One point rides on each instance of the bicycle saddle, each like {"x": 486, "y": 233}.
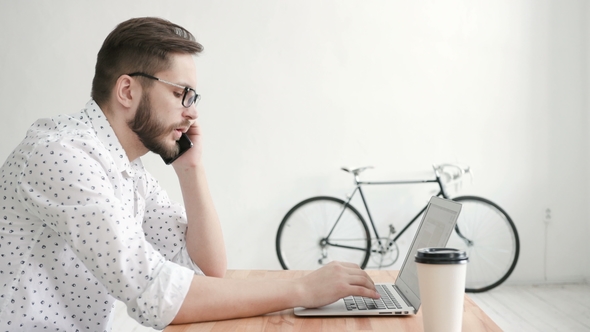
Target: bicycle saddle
{"x": 357, "y": 170}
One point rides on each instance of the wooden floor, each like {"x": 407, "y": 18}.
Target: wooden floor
{"x": 563, "y": 308}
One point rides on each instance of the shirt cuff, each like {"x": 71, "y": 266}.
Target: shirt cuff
{"x": 184, "y": 259}
{"x": 160, "y": 302}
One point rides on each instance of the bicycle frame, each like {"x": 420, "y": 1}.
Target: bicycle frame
{"x": 358, "y": 188}
{"x": 484, "y": 230}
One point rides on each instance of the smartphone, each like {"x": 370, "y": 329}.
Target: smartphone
{"x": 184, "y": 143}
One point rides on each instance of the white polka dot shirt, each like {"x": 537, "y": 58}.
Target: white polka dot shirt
{"x": 81, "y": 226}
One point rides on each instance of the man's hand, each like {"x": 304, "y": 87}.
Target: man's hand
{"x": 192, "y": 156}
{"x": 333, "y": 282}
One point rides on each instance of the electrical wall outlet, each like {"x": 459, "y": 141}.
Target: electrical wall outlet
{"x": 547, "y": 215}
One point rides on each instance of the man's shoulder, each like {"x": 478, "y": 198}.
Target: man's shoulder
{"x": 72, "y": 127}
{"x": 63, "y": 124}
{"x": 62, "y": 132}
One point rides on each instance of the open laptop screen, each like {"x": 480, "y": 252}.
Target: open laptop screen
{"x": 434, "y": 231}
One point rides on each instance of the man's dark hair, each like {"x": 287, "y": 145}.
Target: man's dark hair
{"x": 139, "y": 45}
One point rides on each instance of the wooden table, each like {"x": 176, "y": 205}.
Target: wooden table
{"x": 474, "y": 319}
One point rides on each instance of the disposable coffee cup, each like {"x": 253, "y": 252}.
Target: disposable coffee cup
{"x": 441, "y": 279}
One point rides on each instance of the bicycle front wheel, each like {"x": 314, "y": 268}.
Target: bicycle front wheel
{"x": 320, "y": 230}
{"x": 489, "y": 237}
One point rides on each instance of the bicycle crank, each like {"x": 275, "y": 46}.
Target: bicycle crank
{"x": 323, "y": 244}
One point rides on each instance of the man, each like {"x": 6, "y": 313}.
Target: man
{"x": 82, "y": 223}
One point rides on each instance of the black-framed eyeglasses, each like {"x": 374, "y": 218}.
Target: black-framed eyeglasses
{"x": 190, "y": 96}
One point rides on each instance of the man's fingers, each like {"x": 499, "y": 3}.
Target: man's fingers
{"x": 365, "y": 292}
{"x": 354, "y": 270}
{"x": 363, "y": 282}
{"x": 194, "y": 128}
{"x": 359, "y": 282}
{"x": 337, "y": 280}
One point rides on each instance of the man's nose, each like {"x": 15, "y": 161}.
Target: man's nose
{"x": 191, "y": 112}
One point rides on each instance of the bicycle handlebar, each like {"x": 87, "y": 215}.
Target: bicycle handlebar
{"x": 441, "y": 171}
{"x": 458, "y": 172}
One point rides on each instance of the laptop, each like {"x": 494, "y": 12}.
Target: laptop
{"x": 403, "y": 296}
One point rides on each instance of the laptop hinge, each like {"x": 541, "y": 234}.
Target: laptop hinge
{"x": 403, "y": 296}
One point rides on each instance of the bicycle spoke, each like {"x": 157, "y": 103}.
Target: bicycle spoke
{"x": 494, "y": 248}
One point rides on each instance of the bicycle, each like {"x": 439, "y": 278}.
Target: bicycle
{"x": 321, "y": 229}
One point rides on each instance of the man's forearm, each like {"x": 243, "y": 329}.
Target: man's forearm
{"x": 223, "y": 298}
{"x": 204, "y": 237}
{"x": 211, "y": 299}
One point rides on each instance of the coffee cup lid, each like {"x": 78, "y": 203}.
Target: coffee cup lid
{"x": 441, "y": 256}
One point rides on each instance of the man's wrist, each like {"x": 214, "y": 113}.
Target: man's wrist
{"x": 189, "y": 169}
{"x": 299, "y": 290}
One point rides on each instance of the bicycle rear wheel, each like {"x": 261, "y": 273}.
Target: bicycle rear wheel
{"x": 489, "y": 237}
{"x": 302, "y": 241}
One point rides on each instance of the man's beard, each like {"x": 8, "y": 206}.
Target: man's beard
{"x": 151, "y": 132}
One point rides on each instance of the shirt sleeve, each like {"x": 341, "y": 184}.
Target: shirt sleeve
{"x": 165, "y": 225}
{"x": 77, "y": 193}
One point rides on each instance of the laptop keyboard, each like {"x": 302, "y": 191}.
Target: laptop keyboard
{"x": 387, "y": 301}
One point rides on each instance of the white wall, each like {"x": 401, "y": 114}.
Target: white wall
{"x": 294, "y": 90}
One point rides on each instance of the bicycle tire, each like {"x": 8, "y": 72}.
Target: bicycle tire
{"x": 495, "y": 246}
{"x": 299, "y": 238}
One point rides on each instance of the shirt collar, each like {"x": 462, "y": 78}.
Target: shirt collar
{"x": 107, "y": 136}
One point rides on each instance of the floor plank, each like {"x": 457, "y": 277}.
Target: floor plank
{"x": 564, "y": 307}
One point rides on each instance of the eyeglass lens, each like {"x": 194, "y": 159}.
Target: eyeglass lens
{"x": 190, "y": 97}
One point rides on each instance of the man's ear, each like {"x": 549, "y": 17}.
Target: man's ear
{"x": 127, "y": 91}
